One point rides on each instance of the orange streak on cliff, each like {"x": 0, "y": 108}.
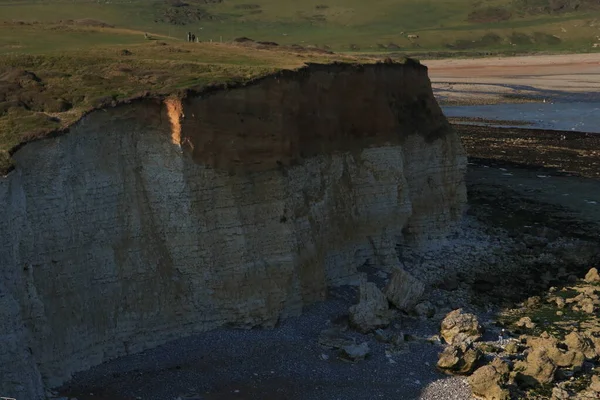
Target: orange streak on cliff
{"x": 175, "y": 111}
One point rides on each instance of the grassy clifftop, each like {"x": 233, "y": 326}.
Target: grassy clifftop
{"x": 47, "y": 92}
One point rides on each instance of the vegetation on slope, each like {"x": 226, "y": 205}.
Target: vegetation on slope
{"x": 44, "y": 93}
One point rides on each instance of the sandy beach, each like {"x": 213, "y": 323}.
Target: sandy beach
{"x": 513, "y": 79}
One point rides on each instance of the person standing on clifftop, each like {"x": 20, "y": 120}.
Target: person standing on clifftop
{"x": 189, "y": 36}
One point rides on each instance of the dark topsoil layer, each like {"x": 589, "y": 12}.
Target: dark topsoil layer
{"x": 517, "y": 179}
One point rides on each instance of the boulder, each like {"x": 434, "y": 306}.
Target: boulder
{"x": 596, "y": 342}
{"x": 525, "y": 322}
{"x": 560, "y": 394}
{"x": 592, "y": 276}
{"x": 532, "y": 302}
{"x": 403, "y": 290}
{"x": 592, "y": 391}
{"x": 587, "y": 305}
{"x": 512, "y": 348}
{"x": 537, "y": 369}
{"x": 595, "y": 384}
{"x": 459, "y": 359}
{"x": 372, "y": 311}
{"x": 545, "y": 357}
{"x": 577, "y": 342}
{"x": 355, "y": 352}
{"x": 488, "y": 382}
{"x": 457, "y": 326}
{"x": 571, "y": 359}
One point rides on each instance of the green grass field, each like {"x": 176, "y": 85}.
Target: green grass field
{"x": 62, "y": 58}
{"x": 343, "y": 25}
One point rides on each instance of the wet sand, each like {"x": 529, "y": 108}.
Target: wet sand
{"x": 571, "y": 77}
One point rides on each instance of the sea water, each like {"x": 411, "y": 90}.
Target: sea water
{"x": 562, "y": 116}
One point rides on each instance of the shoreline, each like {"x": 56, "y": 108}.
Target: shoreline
{"x": 515, "y": 79}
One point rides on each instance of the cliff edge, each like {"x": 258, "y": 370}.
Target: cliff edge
{"x": 163, "y": 218}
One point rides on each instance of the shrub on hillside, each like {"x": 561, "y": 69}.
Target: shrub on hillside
{"x": 490, "y": 39}
{"x": 519, "y": 38}
{"x": 246, "y": 6}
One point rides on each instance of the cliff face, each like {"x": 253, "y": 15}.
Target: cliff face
{"x": 155, "y": 220}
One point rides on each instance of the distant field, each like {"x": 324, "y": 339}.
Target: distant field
{"x": 342, "y": 25}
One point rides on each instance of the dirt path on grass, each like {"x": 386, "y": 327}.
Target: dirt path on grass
{"x": 571, "y": 77}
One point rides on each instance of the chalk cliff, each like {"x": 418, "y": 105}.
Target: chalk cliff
{"x": 161, "y": 218}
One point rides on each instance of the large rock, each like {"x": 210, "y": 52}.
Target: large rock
{"x": 577, "y": 342}
{"x": 404, "y": 291}
{"x": 592, "y": 391}
{"x": 592, "y": 276}
{"x": 525, "y": 322}
{"x": 458, "y": 326}
{"x": 461, "y": 358}
{"x": 537, "y": 369}
{"x": 372, "y": 311}
{"x": 559, "y": 393}
{"x": 596, "y": 341}
{"x": 488, "y": 382}
{"x": 572, "y": 359}
{"x": 355, "y": 352}
{"x": 595, "y": 384}
{"x": 544, "y": 358}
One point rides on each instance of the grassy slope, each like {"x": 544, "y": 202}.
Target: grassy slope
{"x": 45, "y": 92}
{"x": 334, "y": 23}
